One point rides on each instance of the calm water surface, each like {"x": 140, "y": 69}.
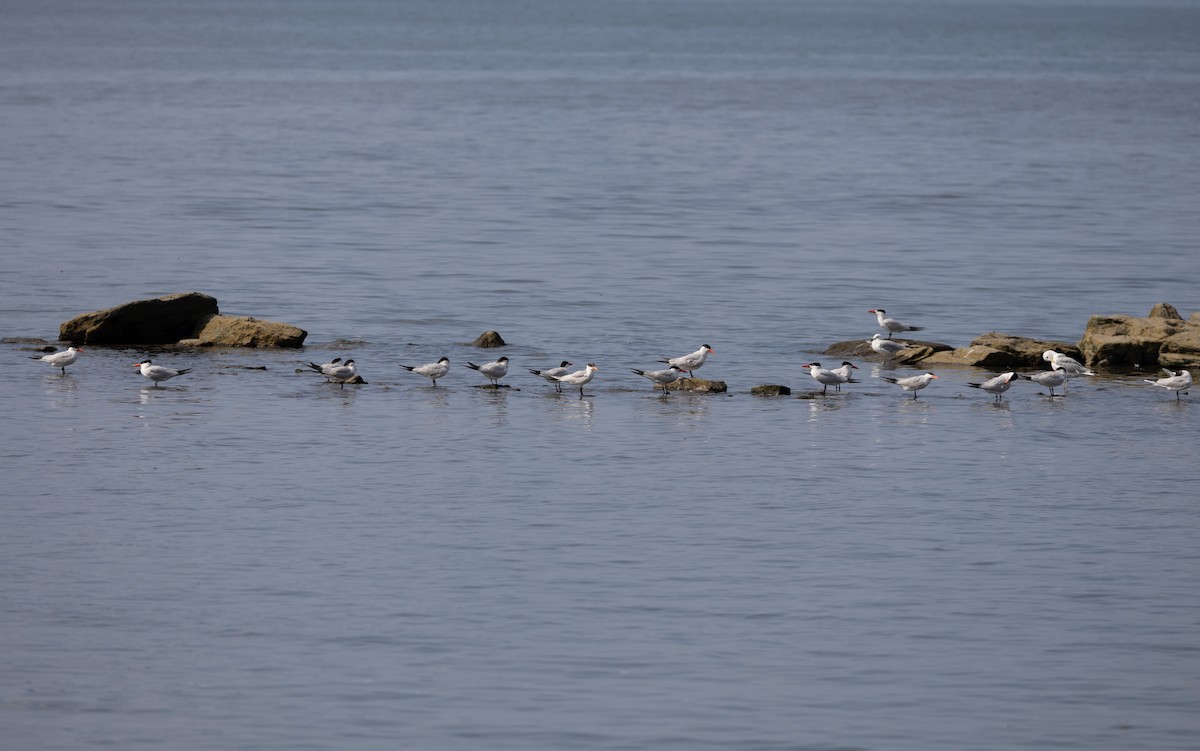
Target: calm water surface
{"x": 250, "y": 558}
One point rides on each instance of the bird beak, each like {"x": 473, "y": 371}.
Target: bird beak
{"x": 931, "y": 375}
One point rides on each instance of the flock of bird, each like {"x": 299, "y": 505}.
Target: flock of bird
{"x": 1062, "y": 369}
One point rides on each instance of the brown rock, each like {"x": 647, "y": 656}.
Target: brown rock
{"x": 162, "y": 320}
{"x": 770, "y": 390}
{"x": 488, "y": 339}
{"x": 244, "y": 331}
{"x": 1150, "y": 342}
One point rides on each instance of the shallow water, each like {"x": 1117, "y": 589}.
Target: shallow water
{"x": 252, "y": 558}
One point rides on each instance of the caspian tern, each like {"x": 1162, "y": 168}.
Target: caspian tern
{"x": 1177, "y": 382}
{"x": 912, "y": 383}
{"x": 663, "y": 378}
{"x": 997, "y": 385}
{"x": 61, "y": 359}
{"x": 432, "y": 371}
{"x": 691, "y": 362}
{"x": 844, "y": 372}
{"x": 342, "y": 373}
{"x": 493, "y": 370}
{"x": 825, "y": 377}
{"x": 552, "y": 374}
{"x": 327, "y": 368}
{"x": 888, "y": 349}
{"x": 1051, "y": 379}
{"x": 158, "y": 373}
{"x": 1068, "y": 364}
{"x": 579, "y": 378}
{"x": 891, "y": 324}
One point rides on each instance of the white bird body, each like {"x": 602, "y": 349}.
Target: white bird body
{"x": 342, "y": 373}
{"x": 158, "y": 373}
{"x": 327, "y": 368}
{"x": 828, "y": 378}
{"x": 1179, "y": 383}
{"x": 433, "y": 371}
{"x": 1066, "y": 363}
{"x": 61, "y": 359}
{"x": 912, "y": 383}
{"x": 997, "y": 385}
{"x": 662, "y": 378}
{"x": 1051, "y": 379}
{"x": 494, "y": 370}
{"x": 885, "y": 347}
{"x": 891, "y": 325}
{"x": 552, "y": 374}
{"x": 579, "y": 378}
{"x": 692, "y": 361}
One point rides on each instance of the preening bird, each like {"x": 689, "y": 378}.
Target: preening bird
{"x": 1178, "y": 382}
{"x": 997, "y": 385}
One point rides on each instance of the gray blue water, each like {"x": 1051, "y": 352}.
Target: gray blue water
{"x": 249, "y": 558}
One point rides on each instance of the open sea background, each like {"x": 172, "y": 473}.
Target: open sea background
{"x": 253, "y": 559}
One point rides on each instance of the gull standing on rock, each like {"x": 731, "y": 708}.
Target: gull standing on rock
{"x": 1051, "y": 379}
{"x": 61, "y": 359}
{"x": 888, "y": 349}
{"x": 663, "y": 378}
{"x": 1179, "y": 383}
{"x": 825, "y": 377}
{"x": 579, "y": 378}
{"x": 158, "y": 373}
{"x": 493, "y": 370}
{"x": 432, "y": 371}
{"x": 912, "y": 383}
{"x": 891, "y": 324}
{"x": 552, "y": 374}
{"x": 997, "y": 385}
{"x": 691, "y": 362}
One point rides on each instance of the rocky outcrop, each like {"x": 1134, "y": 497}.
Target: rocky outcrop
{"x": 162, "y": 320}
{"x": 699, "y": 385}
{"x": 187, "y": 318}
{"x": 1162, "y": 339}
{"x": 1001, "y": 352}
{"x": 770, "y": 389}
{"x": 244, "y": 331}
{"x": 489, "y": 339}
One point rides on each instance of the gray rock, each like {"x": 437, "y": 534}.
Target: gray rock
{"x": 861, "y": 348}
{"x": 162, "y": 320}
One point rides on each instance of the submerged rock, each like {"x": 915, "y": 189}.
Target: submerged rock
{"x": 1161, "y": 339}
{"x": 699, "y": 385}
{"x": 770, "y": 390}
{"x": 162, "y": 320}
{"x": 244, "y": 331}
{"x": 489, "y": 339}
